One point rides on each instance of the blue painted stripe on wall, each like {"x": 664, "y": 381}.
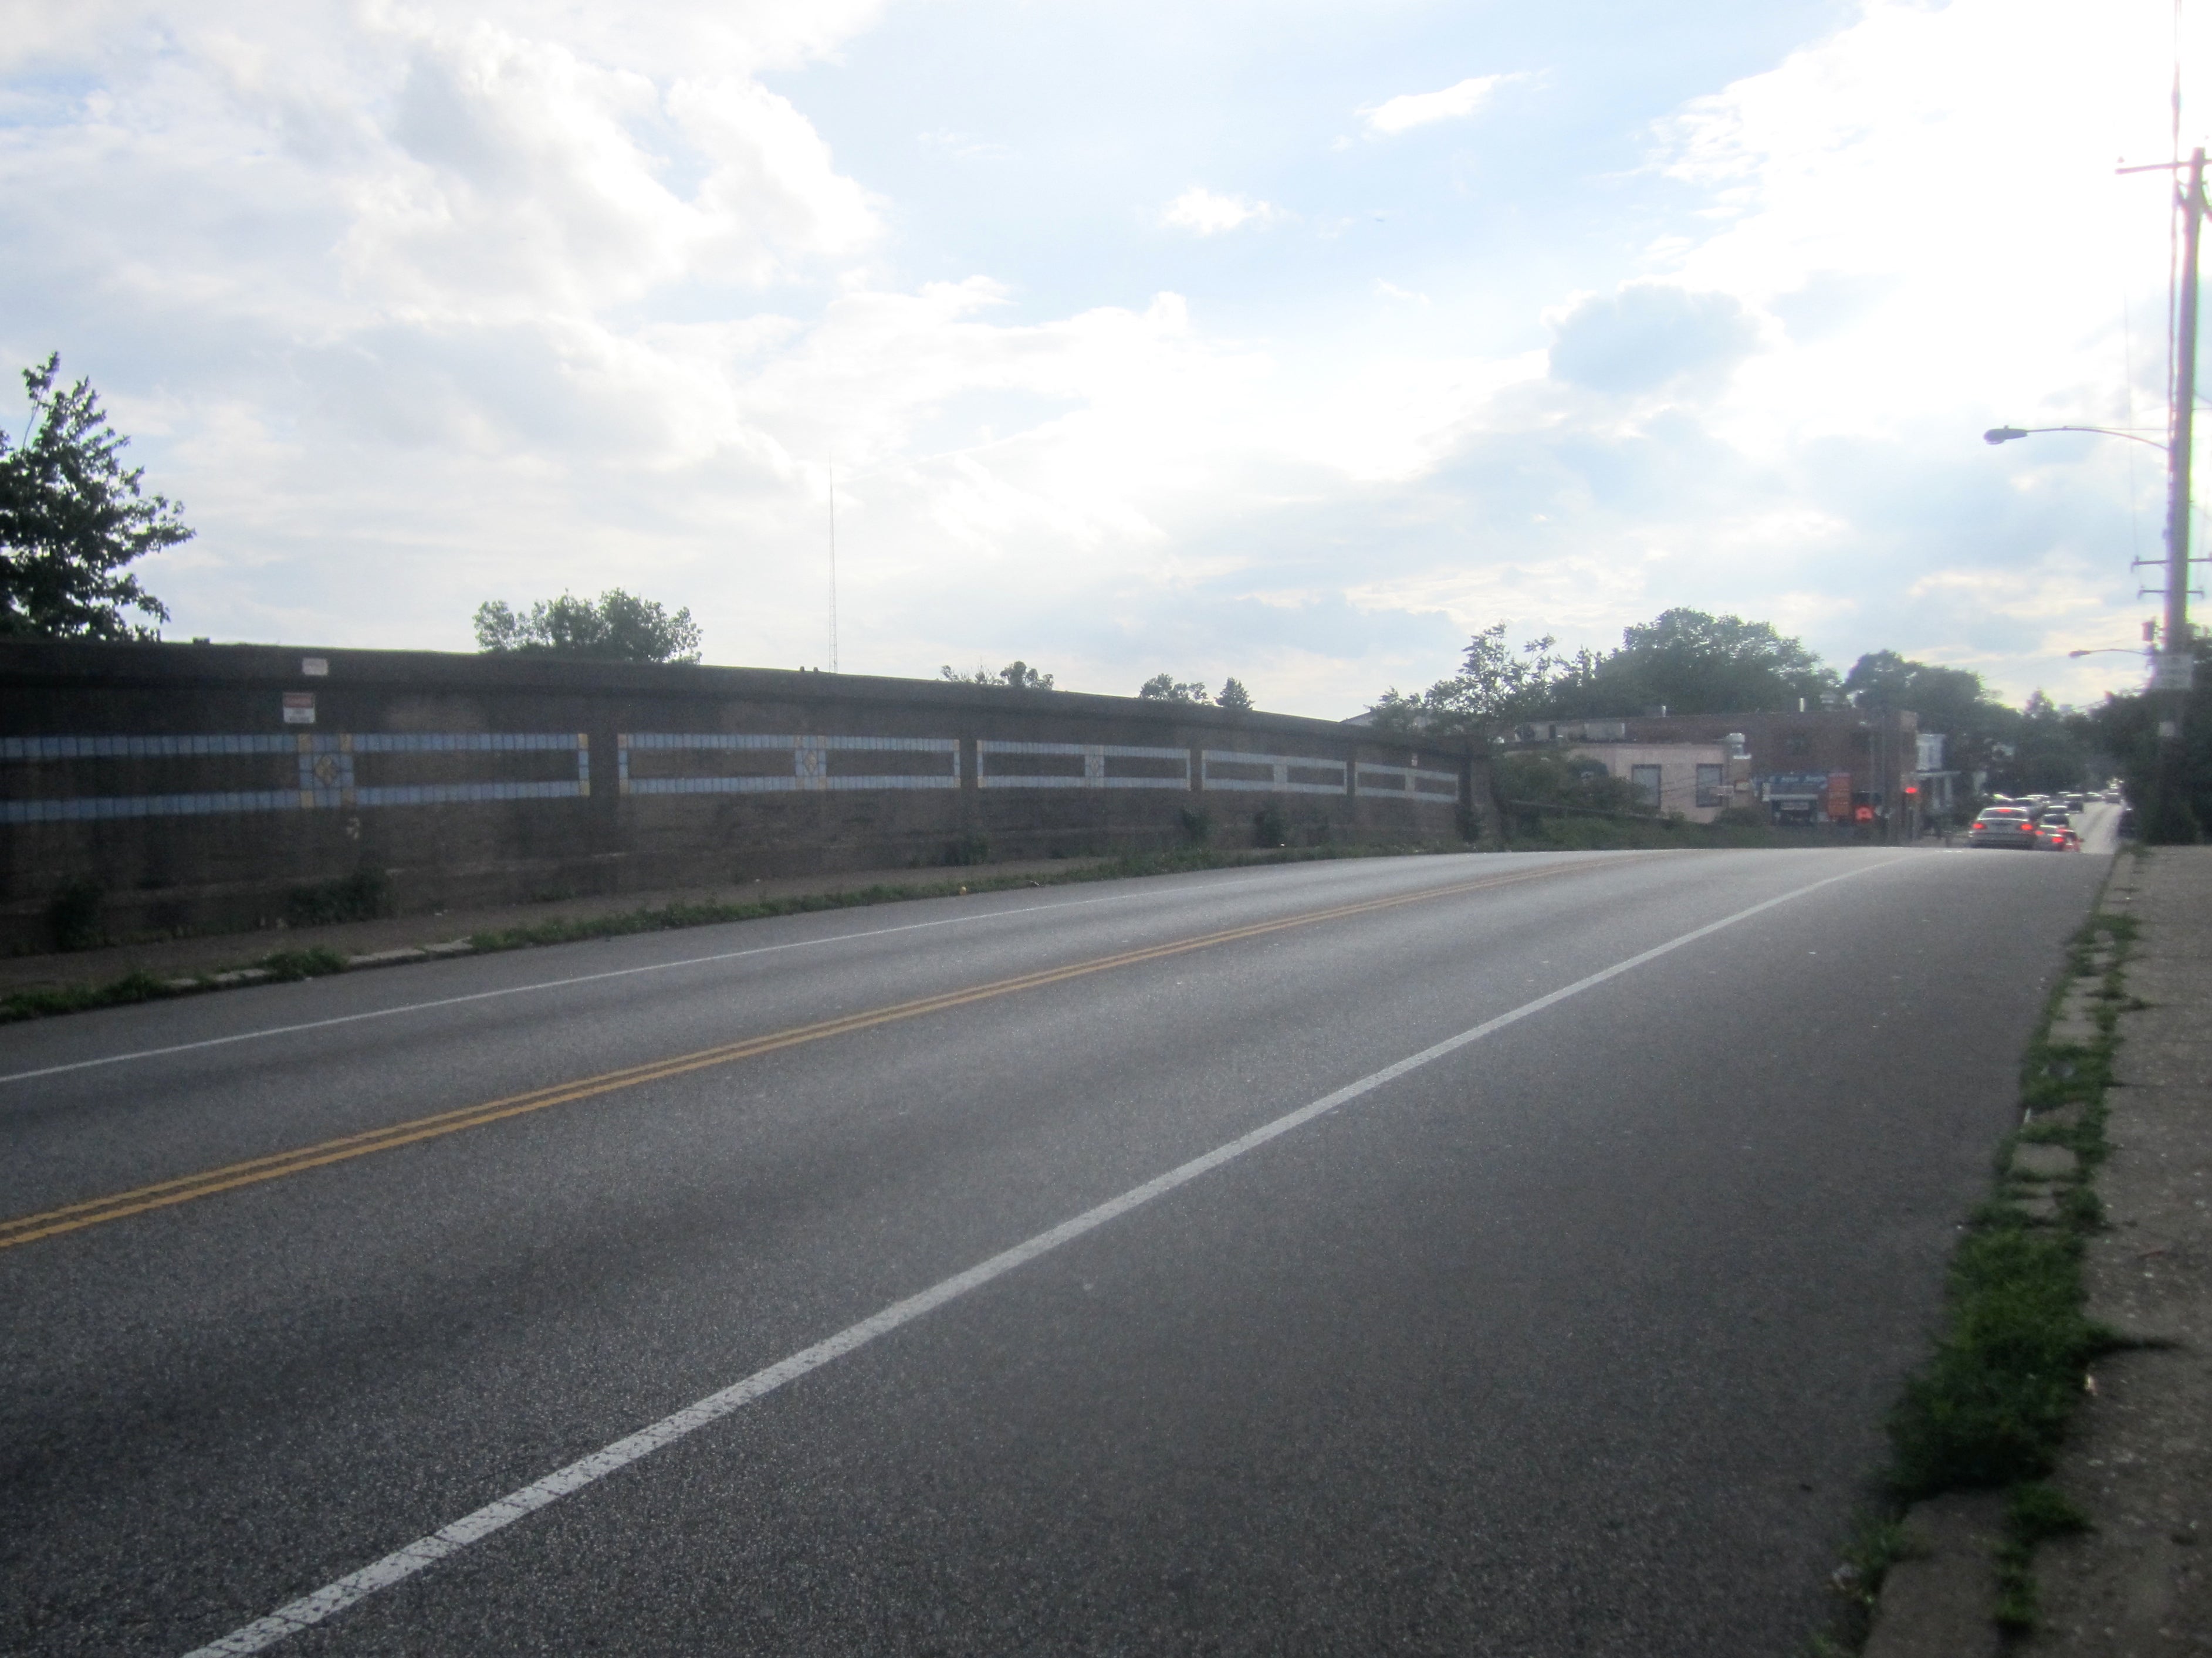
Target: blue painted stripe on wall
{"x": 752, "y": 740}
{"x": 794, "y": 785}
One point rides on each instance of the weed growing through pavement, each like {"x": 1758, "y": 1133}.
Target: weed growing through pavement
{"x": 1879, "y": 1541}
{"x": 2034, "y": 1513}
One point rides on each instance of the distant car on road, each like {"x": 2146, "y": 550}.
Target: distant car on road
{"x": 2059, "y": 836}
{"x": 2004, "y": 826}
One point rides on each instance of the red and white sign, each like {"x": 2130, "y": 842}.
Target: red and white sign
{"x": 299, "y": 707}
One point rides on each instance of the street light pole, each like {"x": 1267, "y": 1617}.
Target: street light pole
{"x": 2174, "y": 659}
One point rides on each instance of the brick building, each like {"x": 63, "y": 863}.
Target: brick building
{"x": 1698, "y": 780}
{"x": 1819, "y": 766}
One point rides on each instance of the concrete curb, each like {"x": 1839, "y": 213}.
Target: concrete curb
{"x": 1936, "y": 1603}
{"x": 2138, "y": 1460}
{"x": 2138, "y": 1583}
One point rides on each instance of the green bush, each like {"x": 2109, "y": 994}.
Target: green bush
{"x": 968, "y": 849}
{"x": 73, "y": 916}
{"x": 361, "y": 897}
{"x": 1564, "y": 780}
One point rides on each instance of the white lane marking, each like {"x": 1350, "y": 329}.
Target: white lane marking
{"x": 561, "y": 984}
{"x": 451, "y": 1539}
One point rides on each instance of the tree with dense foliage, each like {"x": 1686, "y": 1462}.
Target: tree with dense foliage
{"x": 71, "y": 518}
{"x": 2052, "y": 749}
{"x": 1689, "y": 661}
{"x": 618, "y": 627}
{"x": 1981, "y": 734}
{"x": 1234, "y": 698}
{"x": 1495, "y": 688}
{"x": 1685, "y": 661}
{"x": 1166, "y": 688}
{"x": 2126, "y": 729}
{"x": 1015, "y": 675}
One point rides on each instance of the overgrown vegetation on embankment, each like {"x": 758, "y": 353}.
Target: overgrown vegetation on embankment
{"x": 1990, "y": 1407}
{"x": 142, "y": 986}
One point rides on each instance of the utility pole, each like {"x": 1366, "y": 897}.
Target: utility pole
{"x": 2174, "y": 667}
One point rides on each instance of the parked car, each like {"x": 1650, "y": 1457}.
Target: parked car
{"x": 2004, "y": 826}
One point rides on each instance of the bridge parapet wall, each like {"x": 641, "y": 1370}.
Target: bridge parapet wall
{"x": 205, "y": 788}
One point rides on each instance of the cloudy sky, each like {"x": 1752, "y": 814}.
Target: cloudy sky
{"x": 1288, "y": 340}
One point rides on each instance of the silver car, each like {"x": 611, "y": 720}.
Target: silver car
{"x": 2004, "y": 826}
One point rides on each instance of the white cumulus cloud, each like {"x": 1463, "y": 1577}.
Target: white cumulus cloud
{"x": 1415, "y": 109}
{"x": 1206, "y": 213}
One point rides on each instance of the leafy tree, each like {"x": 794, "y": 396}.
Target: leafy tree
{"x": 1495, "y": 688}
{"x": 1692, "y": 662}
{"x": 1983, "y": 733}
{"x": 1686, "y": 661}
{"x": 618, "y": 627}
{"x": 2126, "y": 732}
{"x": 2051, "y": 752}
{"x": 1166, "y": 688}
{"x": 1234, "y": 698}
{"x": 1016, "y": 675}
{"x": 71, "y": 518}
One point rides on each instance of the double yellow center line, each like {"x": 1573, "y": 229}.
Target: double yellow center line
{"x": 162, "y": 1194}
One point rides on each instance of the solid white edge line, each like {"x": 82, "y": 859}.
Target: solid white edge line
{"x": 402, "y": 1564}
{"x": 561, "y": 984}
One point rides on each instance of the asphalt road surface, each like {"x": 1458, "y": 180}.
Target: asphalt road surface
{"x": 1470, "y": 1254}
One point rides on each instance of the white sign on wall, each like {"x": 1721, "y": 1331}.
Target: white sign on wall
{"x": 299, "y": 707}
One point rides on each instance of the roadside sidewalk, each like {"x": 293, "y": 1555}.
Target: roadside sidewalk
{"x": 2138, "y": 1463}
{"x": 166, "y": 958}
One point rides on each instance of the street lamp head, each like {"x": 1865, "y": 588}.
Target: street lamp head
{"x": 2002, "y": 435}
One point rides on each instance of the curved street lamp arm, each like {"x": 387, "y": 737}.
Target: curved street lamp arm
{"x": 2007, "y": 434}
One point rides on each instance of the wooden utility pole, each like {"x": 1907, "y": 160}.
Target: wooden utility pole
{"x": 2173, "y": 669}
{"x": 2175, "y": 645}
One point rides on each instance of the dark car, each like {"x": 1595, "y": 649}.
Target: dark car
{"x": 2005, "y": 826}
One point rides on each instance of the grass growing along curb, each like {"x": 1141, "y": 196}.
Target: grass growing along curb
{"x": 143, "y": 987}
{"x": 78, "y": 999}
{"x": 2034, "y": 1514}
{"x": 1990, "y": 1407}
{"x": 302, "y": 963}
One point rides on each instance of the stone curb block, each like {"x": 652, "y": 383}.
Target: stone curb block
{"x": 1937, "y": 1604}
